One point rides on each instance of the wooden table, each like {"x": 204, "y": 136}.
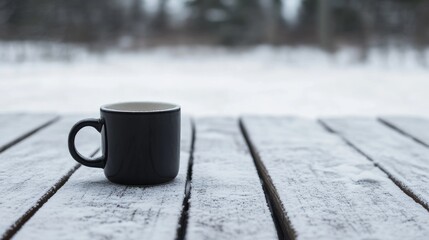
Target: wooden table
{"x": 256, "y": 177}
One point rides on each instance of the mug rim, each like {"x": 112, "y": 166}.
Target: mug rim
{"x": 169, "y": 107}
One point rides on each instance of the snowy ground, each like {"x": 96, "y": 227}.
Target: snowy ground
{"x": 205, "y": 81}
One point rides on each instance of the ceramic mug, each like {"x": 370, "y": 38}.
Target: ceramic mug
{"x": 140, "y": 142}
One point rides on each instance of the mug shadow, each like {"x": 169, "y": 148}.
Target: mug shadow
{"x": 102, "y": 183}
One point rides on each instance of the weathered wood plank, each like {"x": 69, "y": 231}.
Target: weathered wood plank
{"x": 227, "y": 200}
{"x": 32, "y": 170}
{"x": 414, "y": 127}
{"x": 404, "y": 160}
{"x": 90, "y": 207}
{"x": 326, "y": 189}
{"x": 17, "y": 126}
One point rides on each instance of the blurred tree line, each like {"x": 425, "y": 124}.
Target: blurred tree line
{"x": 329, "y": 23}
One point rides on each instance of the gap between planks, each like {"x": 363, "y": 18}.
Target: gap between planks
{"x": 330, "y": 191}
{"x": 402, "y": 131}
{"x": 280, "y": 221}
{"x": 148, "y": 208}
{"x": 19, "y": 223}
{"x": 227, "y": 199}
{"x": 27, "y": 153}
{"x": 400, "y": 185}
{"x": 28, "y": 134}
{"x": 183, "y": 221}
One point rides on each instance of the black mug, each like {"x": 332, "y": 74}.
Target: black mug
{"x": 140, "y": 142}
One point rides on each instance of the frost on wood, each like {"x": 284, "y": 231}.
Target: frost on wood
{"x": 32, "y": 167}
{"x": 88, "y": 206}
{"x": 19, "y": 125}
{"x": 328, "y": 190}
{"x": 227, "y": 200}
{"x": 416, "y": 128}
{"x": 405, "y": 160}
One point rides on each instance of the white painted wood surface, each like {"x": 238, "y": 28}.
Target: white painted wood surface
{"x": 32, "y": 168}
{"x": 403, "y": 159}
{"x": 15, "y": 127}
{"x": 414, "y": 127}
{"x": 88, "y": 206}
{"x": 328, "y": 190}
{"x": 227, "y": 200}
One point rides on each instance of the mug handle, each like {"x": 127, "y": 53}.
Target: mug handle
{"x": 90, "y": 122}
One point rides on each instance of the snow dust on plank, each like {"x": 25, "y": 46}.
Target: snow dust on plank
{"x": 32, "y": 171}
{"x": 88, "y": 206}
{"x": 403, "y": 159}
{"x": 16, "y": 127}
{"x": 325, "y": 188}
{"x": 227, "y": 200}
{"x": 414, "y": 127}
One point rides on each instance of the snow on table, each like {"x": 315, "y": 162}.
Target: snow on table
{"x": 19, "y": 126}
{"x": 327, "y": 190}
{"x": 258, "y": 178}
{"x": 415, "y": 127}
{"x": 93, "y": 208}
{"x": 32, "y": 170}
{"x": 403, "y": 159}
{"x": 227, "y": 200}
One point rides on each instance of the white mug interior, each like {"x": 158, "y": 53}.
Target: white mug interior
{"x": 142, "y": 107}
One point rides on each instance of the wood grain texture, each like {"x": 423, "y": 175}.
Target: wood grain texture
{"x": 32, "y": 169}
{"x": 326, "y": 189}
{"x": 88, "y": 206}
{"x": 227, "y": 200}
{"x": 414, "y": 127}
{"x": 404, "y": 160}
{"x": 17, "y": 126}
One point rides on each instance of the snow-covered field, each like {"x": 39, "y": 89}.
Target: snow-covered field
{"x": 208, "y": 81}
